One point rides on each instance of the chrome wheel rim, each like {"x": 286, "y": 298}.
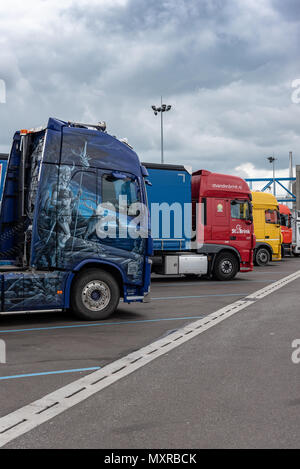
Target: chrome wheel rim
{"x": 96, "y": 295}
{"x": 226, "y": 267}
{"x": 263, "y": 257}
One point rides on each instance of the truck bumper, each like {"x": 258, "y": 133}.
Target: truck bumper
{"x": 247, "y": 266}
{"x": 146, "y": 298}
{"x": 276, "y": 257}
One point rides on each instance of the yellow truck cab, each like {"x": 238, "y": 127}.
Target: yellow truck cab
{"x": 267, "y": 228}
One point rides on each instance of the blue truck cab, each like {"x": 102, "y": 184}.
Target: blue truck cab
{"x": 64, "y": 242}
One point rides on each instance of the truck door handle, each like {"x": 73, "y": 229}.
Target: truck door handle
{"x": 232, "y": 237}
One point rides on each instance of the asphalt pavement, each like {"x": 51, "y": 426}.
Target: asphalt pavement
{"x": 235, "y": 385}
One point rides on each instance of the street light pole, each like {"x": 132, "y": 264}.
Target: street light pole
{"x": 163, "y": 108}
{"x": 161, "y": 132}
{"x": 272, "y": 161}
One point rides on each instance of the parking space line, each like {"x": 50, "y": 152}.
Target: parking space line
{"x": 209, "y": 282}
{"x": 98, "y": 324}
{"x": 31, "y": 416}
{"x": 44, "y": 373}
{"x": 270, "y": 272}
{"x": 198, "y": 296}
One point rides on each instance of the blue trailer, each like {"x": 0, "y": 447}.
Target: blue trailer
{"x": 170, "y": 184}
{"x": 170, "y": 203}
{"x": 53, "y": 244}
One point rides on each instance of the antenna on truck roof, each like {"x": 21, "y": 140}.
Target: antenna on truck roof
{"x": 100, "y": 126}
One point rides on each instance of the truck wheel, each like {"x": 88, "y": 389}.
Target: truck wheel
{"x": 226, "y": 266}
{"x": 261, "y": 257}
{"x": 95, "y": 295}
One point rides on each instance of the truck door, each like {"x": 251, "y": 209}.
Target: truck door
{"x": 119, "y": 210}
{"x": 219, "y": 216}
{"x": 240, "y": 230}
{"x": 273, "y": 229}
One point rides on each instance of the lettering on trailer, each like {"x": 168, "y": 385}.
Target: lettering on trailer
{"x": 239, "y": 230}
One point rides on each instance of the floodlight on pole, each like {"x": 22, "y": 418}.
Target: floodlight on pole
{"x": 161, "y": 109}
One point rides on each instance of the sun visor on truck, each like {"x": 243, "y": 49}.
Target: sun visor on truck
{"x": 87, "y": 147}
{"x": 93, "y": 148}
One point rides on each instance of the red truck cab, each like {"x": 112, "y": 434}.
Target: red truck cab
{"x": 286, "y": 230}
{"x": 222, "y": 204}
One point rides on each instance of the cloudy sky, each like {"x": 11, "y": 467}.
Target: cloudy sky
{"x": 226, "y": 66}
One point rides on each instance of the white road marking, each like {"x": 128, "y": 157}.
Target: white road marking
{"x": 31, "y": 416}
{"x": 273, "y": 287}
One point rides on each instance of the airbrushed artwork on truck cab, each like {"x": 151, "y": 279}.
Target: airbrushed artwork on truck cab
{"x": 34, "y": 290}
{"x": 70, "y": 212}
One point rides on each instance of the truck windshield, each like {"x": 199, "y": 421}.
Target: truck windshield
{"x": 240, "y": 209}
{"x": 272, "y": 216}
{"x": 113, "y": 188}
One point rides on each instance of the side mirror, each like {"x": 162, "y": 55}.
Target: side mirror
{"x": 144, "y": 171}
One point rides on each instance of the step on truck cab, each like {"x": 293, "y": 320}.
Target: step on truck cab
{"x": 201, "y": 222}
{"x": 286, "y": 230}
{"x": 65, "y": 243}
{"x": 266, "y": 228}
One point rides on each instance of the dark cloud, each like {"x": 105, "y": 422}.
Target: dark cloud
{"x": 289, "y": 9}
{"x": 225, "y": 66}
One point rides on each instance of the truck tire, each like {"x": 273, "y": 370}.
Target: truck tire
{"x": 261, "y": 256}
{"x": 225, "y": 267}
{"x": 95, "y": 295}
